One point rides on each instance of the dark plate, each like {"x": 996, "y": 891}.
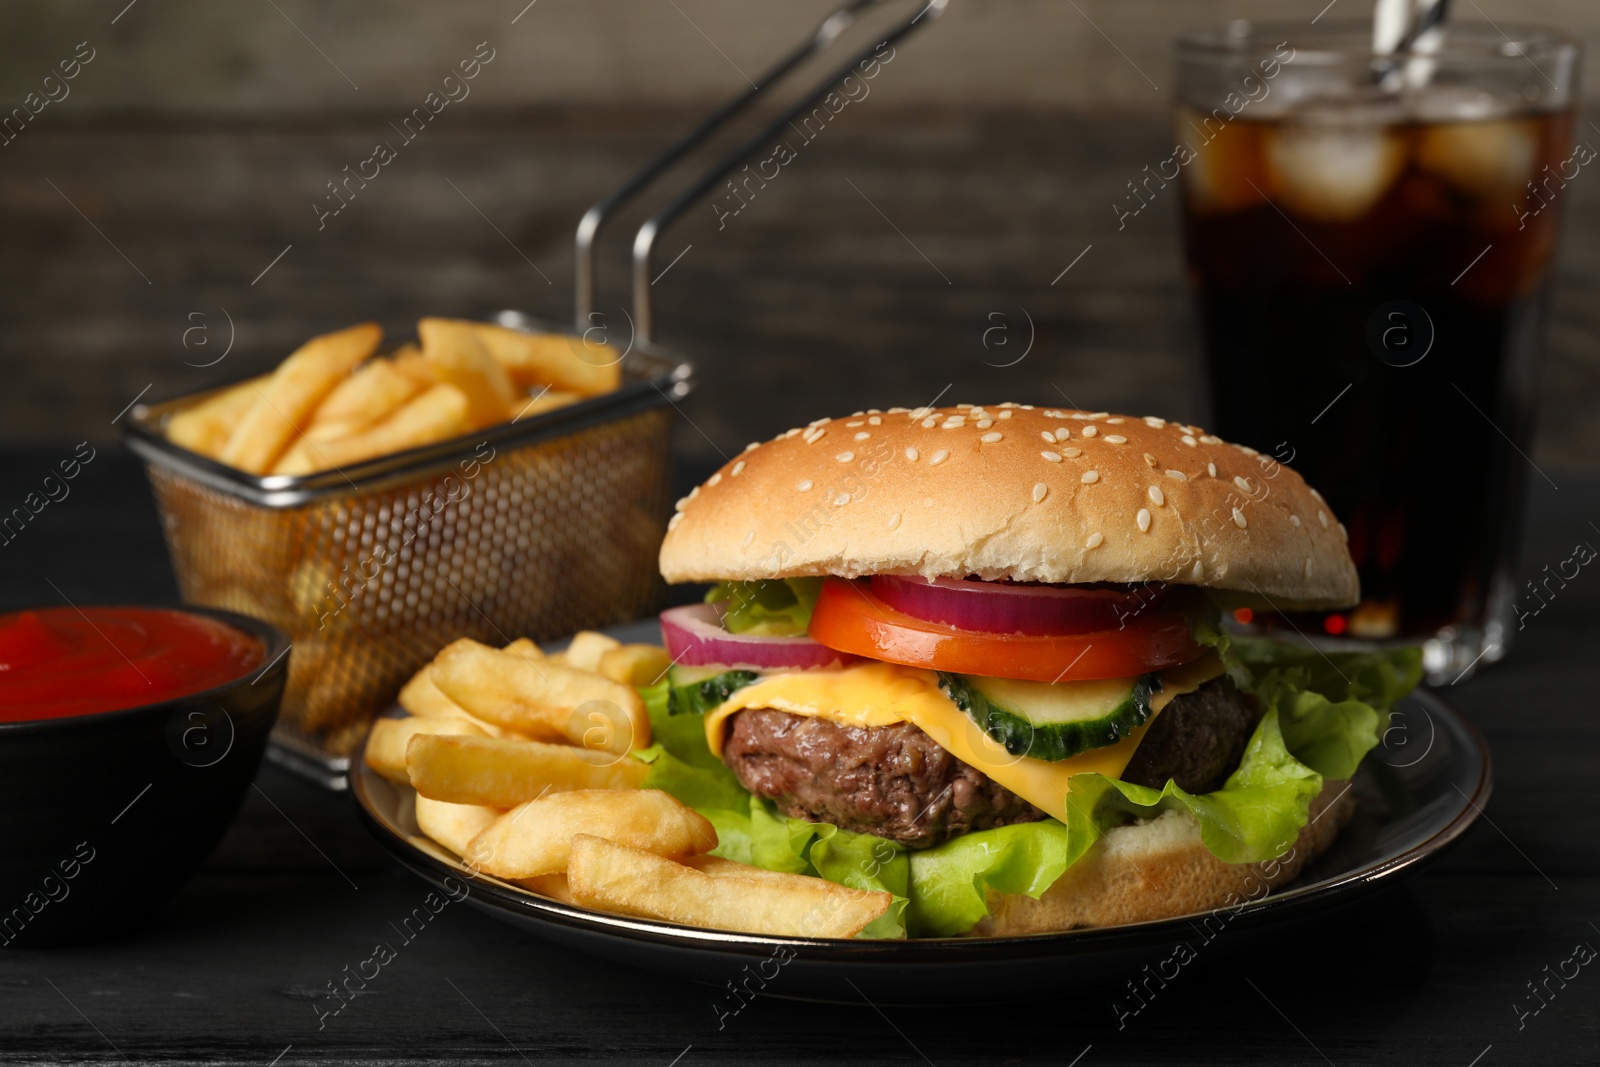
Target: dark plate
{"x": 1416, "y": 794}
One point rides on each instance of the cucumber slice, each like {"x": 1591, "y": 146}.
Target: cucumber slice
{"x": 1053, "y": 721}
{"x": 697, "y": 690}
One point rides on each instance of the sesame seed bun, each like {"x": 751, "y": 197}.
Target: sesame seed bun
{"x": 1015, "y": 492}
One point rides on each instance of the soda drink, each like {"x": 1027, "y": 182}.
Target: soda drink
{"x": 1369, "y": 249}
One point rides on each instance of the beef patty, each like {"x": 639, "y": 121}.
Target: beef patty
{"x": 895, "y": 782}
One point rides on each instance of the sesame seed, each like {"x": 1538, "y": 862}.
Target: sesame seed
{"x": 963, "y": 407}
{"x": 1040, "y": 491}
{"x": 752, "y": 446}
{"x": 845, "y": 457}
{"x": 911, "y": 454}
{"x": 1094, "y": 540}
{"x": 1149, "y": 459}
{"x": 1343, "y": 532}
{"x": 1211, "y": 469}
{"x": 894, "y": 521}
{"x": 1247, "y": 450}
{"x": 1100, "y": 415}
{"x": 817, "y": 422}
{"x": 929, "y": 423}
{"x": 1178, "y": 476}
{"x": 1186, "y": 439}
{"x": 1053, "y": 457}
{"x": 1143, "y": 519}
{"x": 1316, "y": 494}
{"x": 789, "y": 433}
{"x": 855, "y": 423}
{"x": 1238, "y": 519}
{"x": 991, "y": 438}
{"x": 1072, "y": 453}
{"x": 841, "y": 500}
{"x": 1062, "y": 433}
{"x": 1079, "y": 415}
{"x": 1005, "y": 414}
{"x": 1153, "y": 422}
{"x": 1294, "y": 520}
{"x": 1322, "y": 517}
{"x": 984, "y": 424}
{"x": 897, "y": 411}
{"x": 938, "y": 458}
{"x": 863, "y": 435}
{"x": 1198, "y": 571}
{"x": 714, "y": 479}
{"x": 672, "y": 523}
{"x": 874, "y": 411}
{"x": 1157, "y": 497}
{"x": 693, "y": 493}
{"x": 954, "y": 424}
{"x": 1052, "y": 413}
{"x": 805, "y": 486}
{"x": 1210, "y": 439}
{"x": 1049, "y": 437}
{"x": 1308, "y": 566}
{"x": 748, "y": 537}
{"x": 918, "y": 414}
{"x": 876, "y": 420}
{"x": 1090, "y": 431}
{"x": 738, "y": 469}
{"x": 814, "y": 435}
{"x": 1116, "y": 439}
{"x": 1243, "y": 483}
{"x": 1024, "y": 407}
{"x": 1115, "y": 422}
{"x": 1090, "y": 477}
{"x": 853, "y": 414}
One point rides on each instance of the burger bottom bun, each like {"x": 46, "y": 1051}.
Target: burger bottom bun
{"x": 1160, "y": 870}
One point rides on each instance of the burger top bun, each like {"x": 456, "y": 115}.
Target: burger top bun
{"x": 1032, "y": 494}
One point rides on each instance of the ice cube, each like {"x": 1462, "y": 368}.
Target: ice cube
{"x": 1332, "y": 172}
{"x": 1489, "y": 159}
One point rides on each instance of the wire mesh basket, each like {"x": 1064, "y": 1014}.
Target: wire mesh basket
{"x": 531, "y": 529}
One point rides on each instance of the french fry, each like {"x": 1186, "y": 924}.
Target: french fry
{"x": 370, "y": 394}
{"x": 502, "y": 773}
{"x": 540, "y": 698}
{"x": 612, "y": 876}
{"x": 539, "y": 403}
{"x": 571, "y": 364}
{"x": 423, "y": 699}
{"x": 587, "y": 647}
{"x": 524, "y": 647}
{"x": 635, "y": 665}
{"x": 452, "y": 347}
{"x": 409, "y": 360}
{"x": 285, "y": 401}
{"x": 553, "y": 886}
{"x": 386, "y": 745}
{"x": 534, "y": 838}
{"x": 431, "y": 416}
{"x": 205, "y": 427}
{"x": 453, "y": 825}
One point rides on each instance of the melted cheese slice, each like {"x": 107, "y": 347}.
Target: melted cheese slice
{"x": 881, "y": 694}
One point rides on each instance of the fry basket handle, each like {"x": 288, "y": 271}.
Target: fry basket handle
{"x": 644, "y": 241}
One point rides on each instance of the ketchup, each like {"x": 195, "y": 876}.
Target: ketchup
{"x": 58, "y": 662}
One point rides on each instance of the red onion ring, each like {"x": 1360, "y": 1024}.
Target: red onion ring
{"x": 693, "y": 636}
{"x": 1011, "y": 607}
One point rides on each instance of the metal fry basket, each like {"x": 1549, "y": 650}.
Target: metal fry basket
{"x": 530, "y": 529}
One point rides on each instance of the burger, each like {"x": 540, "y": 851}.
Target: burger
{"x": 974, "y": 655}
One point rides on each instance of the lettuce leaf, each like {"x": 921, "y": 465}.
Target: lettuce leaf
{"x": 776, "y": 606}
{"x": 1322, "y": 714}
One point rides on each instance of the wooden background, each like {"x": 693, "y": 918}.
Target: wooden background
{"x": 191, "y": 150}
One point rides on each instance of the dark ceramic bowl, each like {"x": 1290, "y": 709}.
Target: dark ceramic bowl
{"x": 103, "y": 817}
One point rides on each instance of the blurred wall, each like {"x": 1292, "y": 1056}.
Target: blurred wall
{"x": 165, "y": 211}
{"x": 253, "y": 58}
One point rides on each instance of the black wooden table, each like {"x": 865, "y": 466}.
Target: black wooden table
{"x": 1435, "y": 971}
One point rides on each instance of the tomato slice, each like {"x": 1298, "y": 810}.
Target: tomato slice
{"x": 849, "y": 618}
